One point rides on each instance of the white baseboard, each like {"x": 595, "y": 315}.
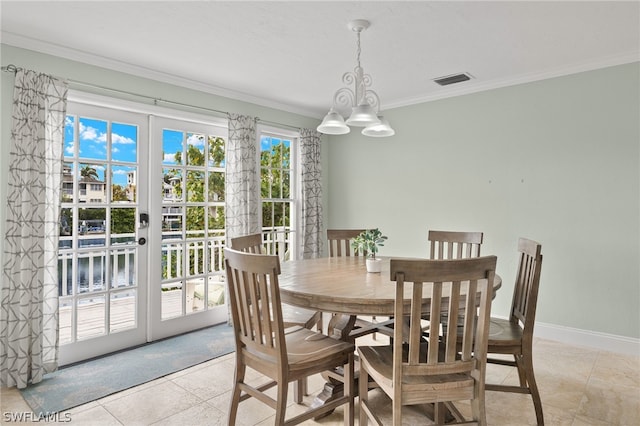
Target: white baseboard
{"x": 587, "y": 338}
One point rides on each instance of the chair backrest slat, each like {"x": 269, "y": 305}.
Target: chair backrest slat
{"x": 339, "y": 241}
{"x": 452, "y": 320}
{"x": 454, "y": 286}
{"x": 436, "y": 310}
{"x": 454, "y": 244}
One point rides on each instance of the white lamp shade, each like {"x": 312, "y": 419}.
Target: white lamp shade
{"x": 381, "y": 130}
{"x": 362, "y": 115}
{"x": 333, "y": 124}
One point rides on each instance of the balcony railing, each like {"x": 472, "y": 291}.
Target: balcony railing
{"x": 203, "y": 257}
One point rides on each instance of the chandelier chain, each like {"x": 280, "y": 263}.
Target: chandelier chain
{"x": 358, "y": 49}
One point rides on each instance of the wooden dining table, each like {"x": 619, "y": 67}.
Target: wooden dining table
{"x": 342, "y": 286}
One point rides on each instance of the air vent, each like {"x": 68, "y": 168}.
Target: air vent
{"x": 452, "y": 79}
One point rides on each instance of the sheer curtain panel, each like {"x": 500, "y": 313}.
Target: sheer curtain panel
{"x": 29, "y": 288}
{"x": 242, "y": 193}
{"x": 311, "y": 183}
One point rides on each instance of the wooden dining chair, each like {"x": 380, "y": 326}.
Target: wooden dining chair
{"x": 263, "y": 345}
{"x": 454, "y": 244}
{"x": 339, "y": 242}
{"x": 292, "y": 315}
{"x": 412, "y": 371}
{"x": 514, "y": 336}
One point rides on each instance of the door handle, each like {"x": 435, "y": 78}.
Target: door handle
{"x": 144, "y": 220}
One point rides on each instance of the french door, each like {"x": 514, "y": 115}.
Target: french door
{"x": 141, "y": 229}
{"x": 102, "y": 256}
{"x": 187, "y": 226}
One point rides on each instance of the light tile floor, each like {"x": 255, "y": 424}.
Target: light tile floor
{"x": 579, "y": 386}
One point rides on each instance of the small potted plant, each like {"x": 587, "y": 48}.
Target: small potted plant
{"x": 367, "y": 242}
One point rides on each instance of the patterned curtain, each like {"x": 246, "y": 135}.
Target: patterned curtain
{"x": 29, "y": 288}
{"x": 242, "y": 193}
{"x": 311, "y": 230}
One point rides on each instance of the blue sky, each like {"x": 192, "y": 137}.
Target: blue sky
{"x": 171, "y": 143}
{"x": 267, "y": 141}
{"x": 92, "y": 145}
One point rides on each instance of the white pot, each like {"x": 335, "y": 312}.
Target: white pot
{"x": 374, "y": 265}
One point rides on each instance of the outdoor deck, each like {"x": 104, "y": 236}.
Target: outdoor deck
{"x": 91, "y": 321}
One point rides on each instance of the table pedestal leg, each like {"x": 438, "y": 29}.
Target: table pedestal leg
{"x": 339, "y": 328}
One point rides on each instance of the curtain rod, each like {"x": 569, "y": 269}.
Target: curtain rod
{"x": 14, "y": 69}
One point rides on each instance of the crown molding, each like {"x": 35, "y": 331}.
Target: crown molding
{"x": 470, "y": 87}
{"x": 40, "y": 46}
{"x": 473, "y": 86}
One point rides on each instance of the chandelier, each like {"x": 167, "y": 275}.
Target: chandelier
{"x": 363, "y": 101}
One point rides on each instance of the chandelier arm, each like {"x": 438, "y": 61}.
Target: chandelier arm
{"x": 372, "y": 98}
{"x": 344, "y": 96}
{"x": 349, "y": 78}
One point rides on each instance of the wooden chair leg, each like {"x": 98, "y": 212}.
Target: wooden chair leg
{"x": 363, "y": 394}
{"x": 478, "y": 411}
{"x": 349, "y": 389}
{"x": 235, "y": 401}
{"x": 397, "y": 411}
{"x": 281, "y": 402}
{"x": 533, "y": 388}
{"x": 522, "y": 376}
{"x": 299, "y": 389}
{"x": 235, "y": 396}
{"x": 439, "y": 413}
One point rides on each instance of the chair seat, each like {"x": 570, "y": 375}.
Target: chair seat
{"x": 306, "y": 348}
{"x": 380, "y": 358}
{"x": 307, "y": 351}
{"x": 503, "y": 332}
{"x": 293, "y": 315}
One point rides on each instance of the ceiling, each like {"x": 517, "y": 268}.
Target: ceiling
{"x": 291, "y": 55}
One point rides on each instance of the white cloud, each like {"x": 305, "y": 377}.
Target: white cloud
{"x": 69, "y": 148}
{"x": 169, "y": 158}
{"x": 196, "y": 140}
{"x": 90, "y": 133}
{"x": 119, "y": 139}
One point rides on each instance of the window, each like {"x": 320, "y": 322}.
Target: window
{"x": 277, "y": 168}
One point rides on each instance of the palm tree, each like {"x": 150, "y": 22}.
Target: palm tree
{"x": 89, "y": 173}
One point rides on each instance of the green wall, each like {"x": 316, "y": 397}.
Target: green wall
{"x": 556, "y": 161}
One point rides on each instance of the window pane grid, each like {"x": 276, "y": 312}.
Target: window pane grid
{"x": 97, "y": 223}
{"x": 275, "y": 188}
{"x": 192, "y": 219}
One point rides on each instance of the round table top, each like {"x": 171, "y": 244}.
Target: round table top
{"x": 341, "y": 285}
